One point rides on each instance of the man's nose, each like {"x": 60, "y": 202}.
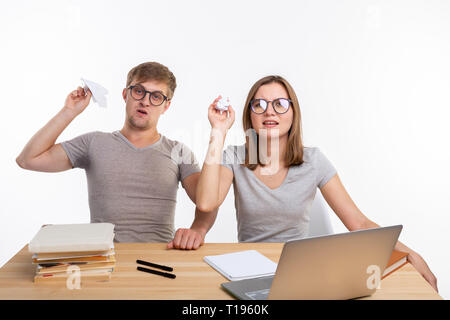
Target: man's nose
{"x": 145, "y": 101}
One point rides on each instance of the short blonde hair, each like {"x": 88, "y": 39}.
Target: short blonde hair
{"x": 153, "y": 71}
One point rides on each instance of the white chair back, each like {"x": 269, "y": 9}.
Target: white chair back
{"x": 320, "y": 223}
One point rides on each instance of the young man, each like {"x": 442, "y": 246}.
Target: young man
{"x": 132, "y": 174}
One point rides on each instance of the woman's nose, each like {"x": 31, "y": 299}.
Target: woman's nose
{"x": 270, "y": 110}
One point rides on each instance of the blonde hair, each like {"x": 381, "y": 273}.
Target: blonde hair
{"x": 153, "y": 71}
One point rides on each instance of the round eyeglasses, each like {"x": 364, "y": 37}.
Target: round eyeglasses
{"x": 138, "y": 92}
{"x": 280, "y": 105}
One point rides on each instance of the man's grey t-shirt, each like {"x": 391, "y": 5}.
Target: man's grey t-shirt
{"x": 281, "y": 214}
{"x": 133, "y": 188}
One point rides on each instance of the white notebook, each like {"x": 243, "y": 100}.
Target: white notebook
{"x": 242, "y": 265}
{"x": 73, "y": 237}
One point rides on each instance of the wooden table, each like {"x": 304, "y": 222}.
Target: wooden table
{"x": 195, "y": 280}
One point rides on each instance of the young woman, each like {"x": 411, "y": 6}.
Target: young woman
{"x": 274, "y": 176}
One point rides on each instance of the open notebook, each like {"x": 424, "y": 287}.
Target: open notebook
{"x": 73, "y": 237}
{"x": 242, "y": 265}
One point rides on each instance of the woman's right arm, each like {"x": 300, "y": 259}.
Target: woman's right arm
{"x": 215, "y": 179}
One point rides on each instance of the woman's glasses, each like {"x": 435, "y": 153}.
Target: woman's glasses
{"x": 280, "y": 105}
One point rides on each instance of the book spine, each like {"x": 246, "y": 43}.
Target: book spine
{"x": 384, "y": 276}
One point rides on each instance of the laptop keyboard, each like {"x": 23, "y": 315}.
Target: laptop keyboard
{"x": 258, "y": 295}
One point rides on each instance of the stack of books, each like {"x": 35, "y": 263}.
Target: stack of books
{"x": 67, "y": 250}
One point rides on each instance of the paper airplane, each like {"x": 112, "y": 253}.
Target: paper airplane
{"x": 98, "y": 92}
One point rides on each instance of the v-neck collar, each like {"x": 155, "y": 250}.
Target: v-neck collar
{"x": 132, "y": 146}
{"x": 252, "y": 173}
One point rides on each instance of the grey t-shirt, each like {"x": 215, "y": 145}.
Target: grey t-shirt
{"x": 133, "y": 188}
{"x": 282, "y": 214}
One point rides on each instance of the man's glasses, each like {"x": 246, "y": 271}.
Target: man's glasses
{"x": 280, "y": 105}
{"x": 138, "y": 92}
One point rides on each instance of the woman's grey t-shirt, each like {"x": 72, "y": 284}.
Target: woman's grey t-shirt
{"x": 281, "y": 214}
{"x": 133, "y": 188}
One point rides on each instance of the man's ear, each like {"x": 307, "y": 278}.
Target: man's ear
{"x": 124, "y": 94}
{"x": 167, "y": 106}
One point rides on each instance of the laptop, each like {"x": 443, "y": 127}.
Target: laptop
{"x": 338, "y": 266}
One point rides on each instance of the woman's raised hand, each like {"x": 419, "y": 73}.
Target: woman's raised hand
{"x": 221, "y": 120}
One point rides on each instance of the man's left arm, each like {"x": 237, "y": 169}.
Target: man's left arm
{"x": 193, "y": 237}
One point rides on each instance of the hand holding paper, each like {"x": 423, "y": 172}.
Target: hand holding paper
{"x": 98, "y": 92}
{"x": 77, "y": 100}
{"x": 223, "y": 104}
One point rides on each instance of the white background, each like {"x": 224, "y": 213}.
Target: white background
{"x": 372, "y": 78}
